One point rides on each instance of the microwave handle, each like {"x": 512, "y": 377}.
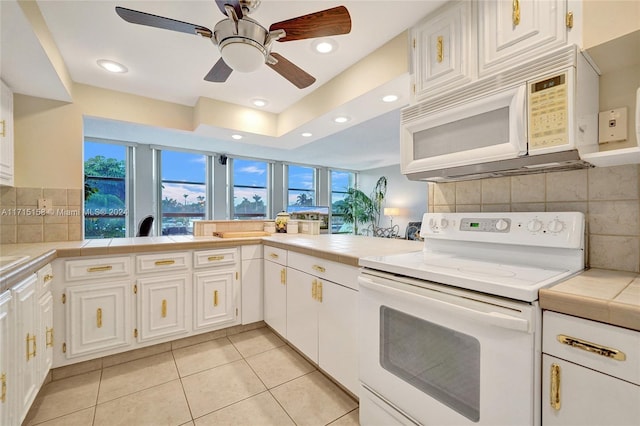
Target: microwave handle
{"x": 493, "y": 318}
{"x": 519, "y": 106}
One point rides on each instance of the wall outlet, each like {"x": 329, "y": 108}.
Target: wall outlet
{"x": 44, "y": 203}
{"x": 612, "y": 125}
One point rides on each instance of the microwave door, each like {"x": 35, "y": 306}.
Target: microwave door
{"x": 489, "y": 129}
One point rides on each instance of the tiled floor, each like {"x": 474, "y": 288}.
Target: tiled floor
{"x": 250, "y": 378}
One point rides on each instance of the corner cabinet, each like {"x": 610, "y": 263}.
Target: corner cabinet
{"x": 6, "y": 135}
{"x": 275, "y": 289}
{"x": 7, "y": 374}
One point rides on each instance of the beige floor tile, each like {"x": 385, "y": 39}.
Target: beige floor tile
{"x": 134, "y": 376}
{"x": 255, "y": 341}
{"x": 279, "y": 365}
{"x": 313, "y": 399}
{"x": 79, "y": 418}
{"x": 351, "y": 419}
{"x": 204, "y": 356}
{"x": 64, "y": 397}
{"x": 218, "y": 387}
{"x": 261, "y": 410}
{"x": 161, "y": 405}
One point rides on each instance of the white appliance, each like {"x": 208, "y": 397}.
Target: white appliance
{"x": 451, "y": 335}
{"x": 541, "y": 115}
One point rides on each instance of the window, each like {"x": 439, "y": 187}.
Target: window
{"x": 341, "y": 181}
{"x": 250, "y": 189}
{"x": 105, "y": 190}
{"x": 184, "y": 189}
{"x": 301, "y": 189}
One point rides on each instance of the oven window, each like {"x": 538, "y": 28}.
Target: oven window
{"x": 440, "y": 362}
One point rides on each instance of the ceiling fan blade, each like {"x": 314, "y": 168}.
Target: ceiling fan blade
{"x": 334, "y": 21}
{"x": 291, "y": 72}
{"x": 142, "y": 18}
{"x": 219, "y": 73}
{"x": 233, "y": 3}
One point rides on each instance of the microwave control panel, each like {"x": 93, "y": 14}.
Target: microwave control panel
{"x": 548, "y": 107}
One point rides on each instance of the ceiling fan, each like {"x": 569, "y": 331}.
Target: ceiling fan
{"x": 245, "y": 44}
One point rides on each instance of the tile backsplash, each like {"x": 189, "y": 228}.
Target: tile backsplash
{"x": 22, "y": 222}
{"x": 609, "y": 197}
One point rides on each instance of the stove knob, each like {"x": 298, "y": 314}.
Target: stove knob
{"x": 556, "y": 226}
{"x": 502, "y": 224}
{"x": 432, "y": 223}
{"x": 444, "y": 223}
{"x": 534, "y": 225}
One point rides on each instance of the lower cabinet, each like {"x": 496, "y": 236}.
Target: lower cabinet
{"x": 275, "y": 289}
{"x": 7, "y": 374}
{"x": 161, "y": 306}
{"x": 214, "y": 303}
{"x": 304, "y": 300}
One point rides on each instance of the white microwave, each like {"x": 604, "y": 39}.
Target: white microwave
{"x": 527, "y": 121}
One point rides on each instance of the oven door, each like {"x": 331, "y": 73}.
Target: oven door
{"x": 443, "y": 356}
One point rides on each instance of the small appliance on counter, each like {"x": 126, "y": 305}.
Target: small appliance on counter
{"x": 281, "y": 221}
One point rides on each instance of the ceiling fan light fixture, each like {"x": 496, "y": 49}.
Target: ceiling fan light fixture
{"x": 111, "y": 66}
{"x": 242, "y": 54}
{"x": 324, "y": 45}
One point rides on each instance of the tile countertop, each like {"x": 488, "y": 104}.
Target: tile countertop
{"x": 611, "y": 297}
{"x": 340, "y": 248}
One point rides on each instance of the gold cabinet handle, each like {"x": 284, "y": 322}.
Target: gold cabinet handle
{"x": 592, "y": 347}
{"x": 31, "y": 340}
{"x": 215, "y": 298}
{"x": 515, "y": 12}
{"x": 440, "y": 49}
{"x": 4, "y": 128}
{"x": 49, "y": 337}
{"x": 569, "y": 20}
{"x": 314, "y": 289}
{"x": 100, "y": 268}
{"x": 99, "y": 317}
{"x": 3, "y": 379}
{"x": 274, "y": 255}
{"x": 165, "y": 262}
{"x": 164, "y": 308}
{"x": 283, "y": 276}
{"x": 319, "y": 292}
{"x": 319, "y": 268}
{"x": 48, "y": 278}
{"x": 214, "y": 258}
{"x": 555, "y": 387}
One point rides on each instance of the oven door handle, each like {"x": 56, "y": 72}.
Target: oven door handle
{"x": 493, "y": 318}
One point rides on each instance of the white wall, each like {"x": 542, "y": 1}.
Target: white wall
{"x": 409, "y": 196}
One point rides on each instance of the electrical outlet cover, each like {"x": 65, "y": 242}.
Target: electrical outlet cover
{"x": 612, "y": 126}
{"x": 44, "y": 203}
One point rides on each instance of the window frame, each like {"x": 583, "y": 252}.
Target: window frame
{"x": 231, "y": 161}
{"x": 287, "y": 189}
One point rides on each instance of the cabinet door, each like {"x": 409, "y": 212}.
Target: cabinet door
{"x": 338, "y": 335}
{"x": 45, "y": 336}
{"x": 586, "y": 397}
{"x": 214, "y": 298}
{"x": 7, "y": 378}
{"x": 161, "y": 306}
{"x": 442, "y": 50}
{"x": 252, "y": 291}
{"x": 275, "y": 296}
{"x": 6, "y": 135}
{"x": 98, "y": 317}
{"x": 302, "y": 312}
{"x": 509, "y": 30}
{"x": 26, "y": 305}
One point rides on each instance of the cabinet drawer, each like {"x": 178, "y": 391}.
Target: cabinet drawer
{"x": 76, "y": 270}
{"x": 251, "y": 252}
{"x": 162, "y": 262}
{"x": 212, "y": 258}
{"x": 595, "y": 345}
{"x": 45, "y": 278}
{"x": 276, "y": 255}
{"x": 333, "y": 271}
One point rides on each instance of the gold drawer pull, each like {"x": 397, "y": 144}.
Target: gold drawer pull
{"x": 274, "y": 255}
{"x": 319, "y": 292}
{"x": 49, "y": 337}
{"x": 440, "y": 49}
{"x": 4, "y": 128}
{"x": 592, "y": 347}
{"x": 569, "y": 20}
{"x": 31, "y": 339}
{"x": 319, "y": 268}
{"x": 164, "y": 308}
{"x": 314, "y": 289}
{"x": 99, "y": 317}
{"x": 48, "y": 278}
{"x": 165, "y": 262}
{"x": 100, "y": 268}
{"x": 555, "y": 387}
{"x": 283, "y": 276}
{"x": 515, "y": 15}
{"x": 3, "y": 378}
{"x": 215, "y": 298}
{"x": 215, "y": 258}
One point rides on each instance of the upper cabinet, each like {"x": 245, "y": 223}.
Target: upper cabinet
{"x": 6, "y": 135}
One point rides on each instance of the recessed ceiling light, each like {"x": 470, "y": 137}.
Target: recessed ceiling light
{"x": 236, "y": 137}
{"x": 112, "y": 66}
{"x": 324, "y": 45}
{"x": 389, "y": 98}
{"x": 259, "y": 102}
{"x": 306, "y": 134}
{"x": 341, "y": 119}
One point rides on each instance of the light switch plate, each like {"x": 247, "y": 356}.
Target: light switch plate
{"x": 44, "y": 203}
{"x": 612, "y": 126}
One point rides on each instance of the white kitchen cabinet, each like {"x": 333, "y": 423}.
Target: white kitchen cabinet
{"x": 6, "y": 135}
{"x": 303, "y": 302}
{"x": 7, "y": 356}
{"x": 252, "y": 277}
{"x": 509, "y": 31}
{"x": 46, "y": 332}
{"x": 161, "y": 306}
{"x": 215, "y": 299}
{"x": 590, "y": 372}
{"x": 275, "y": 289}
{"x": 444, "y": 49}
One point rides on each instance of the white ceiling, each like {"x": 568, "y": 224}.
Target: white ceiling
{"x": 170, "y": 66}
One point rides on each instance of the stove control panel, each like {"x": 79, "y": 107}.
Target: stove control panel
{"x": 485, "y": 225}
